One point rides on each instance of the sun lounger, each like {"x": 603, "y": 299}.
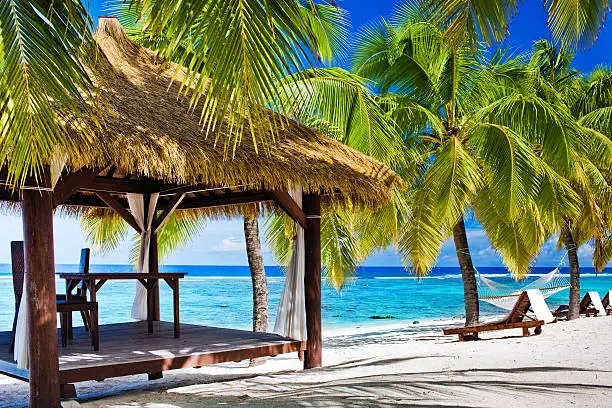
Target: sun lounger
{"x": 530, "y": 300}
{"x": 590, "y": 305}
{"x": 606, "y": 302}
{"x": 596, "y": 302}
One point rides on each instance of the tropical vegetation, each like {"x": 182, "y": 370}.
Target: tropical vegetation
{"x": 519, "y": 142}
{"x": 587, "y": 100}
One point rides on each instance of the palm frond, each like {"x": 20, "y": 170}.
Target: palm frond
{"x": 470, "y": 20}
{"x": 340, "y": 254}
{"x": 104, "y": 230}
{"x": 45, "y": 91}
{"x": 234, "y": 52}
{"x": 181, "y": 228}
{"x": 512, "y": 165}
{"x": 333, "y": 97}
{"x": 576, "y": 23}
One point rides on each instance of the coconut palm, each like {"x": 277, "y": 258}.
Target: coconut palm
{"x": 258, "y": 275}
{"x": 573, "y": 24}
{"x": 589, "y": 102}
{"x": 463, "y": 158}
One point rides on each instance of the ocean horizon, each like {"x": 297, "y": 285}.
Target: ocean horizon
{"x": 221, "y": 296}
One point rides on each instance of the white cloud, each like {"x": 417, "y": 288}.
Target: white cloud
{"x": 486, "y": 251}
{"x": 475, "y": 233}
{"x": 229, "y": 244}
{"x": 586, "y": 250}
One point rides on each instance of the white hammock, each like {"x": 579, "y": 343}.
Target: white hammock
{"x": 504, "y": 296}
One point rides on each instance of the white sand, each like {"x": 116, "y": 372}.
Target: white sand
{"x": 570, "y": 364}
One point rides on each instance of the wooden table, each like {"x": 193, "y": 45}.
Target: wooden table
{"x": 94, "y": 281}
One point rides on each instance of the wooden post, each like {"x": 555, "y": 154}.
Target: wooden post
{"x": 40, "y": 295}
{"x": 154, "y": 268}
{"x": 312, "y": 280}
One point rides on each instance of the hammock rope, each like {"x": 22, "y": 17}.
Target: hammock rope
{"x": 504, "y": 296}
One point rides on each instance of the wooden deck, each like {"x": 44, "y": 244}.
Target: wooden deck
{"x": 127, "y": 349}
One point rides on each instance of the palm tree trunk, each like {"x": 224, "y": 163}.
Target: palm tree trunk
{"x": 258, "y": 277}
{"x": 470, "y": 288}
{"x": 572, "y": 256}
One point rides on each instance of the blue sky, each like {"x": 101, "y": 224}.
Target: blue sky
{"x": 222, "y": 242}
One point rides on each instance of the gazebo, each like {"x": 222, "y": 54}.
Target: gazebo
{"x": 150, "y": 144}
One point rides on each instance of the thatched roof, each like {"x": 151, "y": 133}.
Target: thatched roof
{"x": 149, "y": 131}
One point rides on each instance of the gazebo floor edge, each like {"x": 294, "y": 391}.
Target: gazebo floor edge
{"x": 127, "y": 349}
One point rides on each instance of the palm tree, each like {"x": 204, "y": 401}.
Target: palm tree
{"x": 258, "y": 275}
{"x": 589, "y": 102}
{"x": 463, "y": 158}
{"x": 572, "y": 24}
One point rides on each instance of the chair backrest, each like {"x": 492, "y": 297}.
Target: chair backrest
{"x": 84, "y": 263}
{"x": 539, "y": 307}
{"x": 18, "y": 268}
{"x": 606, "y": 299}
{"x": 83, "y": 268}
{"x": 585, "y": 303}
{"x": 596, "y": 302}
{"x": 520, "y": 309}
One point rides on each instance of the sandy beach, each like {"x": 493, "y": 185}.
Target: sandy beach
{"x": 568, "y": 365}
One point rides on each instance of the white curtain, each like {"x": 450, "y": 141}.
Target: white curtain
{"x": 144, "y": 221}
{"x": 291, "y": 317}
{"x": 22, "y": 339}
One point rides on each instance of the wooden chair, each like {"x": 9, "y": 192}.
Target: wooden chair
{"x": 81, "y": 291}
{"x": 514, "y": 320}
{"x": 17, "y": 267}
{"x": 89, "y": 310}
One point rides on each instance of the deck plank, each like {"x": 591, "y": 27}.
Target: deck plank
{"x": 127, "y": 348}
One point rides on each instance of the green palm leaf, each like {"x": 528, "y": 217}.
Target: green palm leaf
{"x": 235, "y": 50}
{"x": 44, "y": 87}
{"x": 334, "y": 98}
{"x": 572, "y": 23}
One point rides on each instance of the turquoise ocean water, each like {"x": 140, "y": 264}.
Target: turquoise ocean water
{"x": 221, "y": 296}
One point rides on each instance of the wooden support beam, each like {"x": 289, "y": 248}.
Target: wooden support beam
{"x": 246, "y": 197}
{"x": 192, "y": 188}
{"x": 284, "y": 201}
{"x": 6, "y": 194}
{"x": 113, "y": 203}
{"x": 229, "y": 199}
{"x": 118, "y": 185}
{"x": 167, "y": 212}
{"x": 154, "y": 268}
{"x": 85, "y": 201}
{"x": 69, "y": 184}
{"x": 40, "y": 294}
{"x": 312, "y": 281}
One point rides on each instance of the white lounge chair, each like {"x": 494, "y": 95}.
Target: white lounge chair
{"x": 596, "y": 303}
